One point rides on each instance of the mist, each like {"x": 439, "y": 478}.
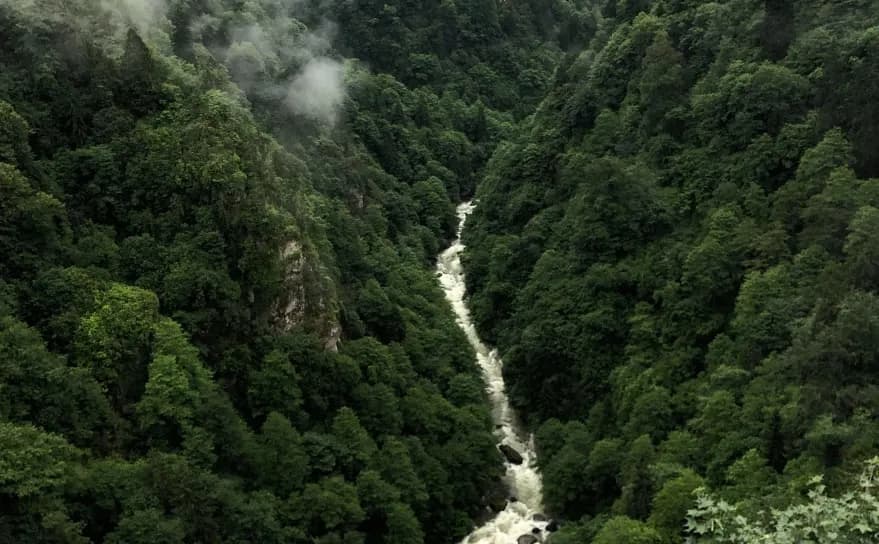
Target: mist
{"x": 260, "y": 55}
{"x": 142, "y": 15}
{"x": 318, "y": 91}
{"x": 271, "y": 55}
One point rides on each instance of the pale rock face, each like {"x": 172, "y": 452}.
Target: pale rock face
{"x": 332, "y": 340}
{"x": 298, "y": 306}
{"x": 290, "y": 313}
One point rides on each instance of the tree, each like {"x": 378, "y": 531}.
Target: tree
{"x": 748, "y": 477}
{"x": 615, "y": 209}
{"x": 396, "y": 467}
{"x": 14, "y": 148}
{"x": 860, "y": 248}
{"x": 821, "y": 518}
{"x": 274, "y": 386}
{"x": 375, "y": 494}
{"x": 764, "y": 307}
{"x": 145, "y": 527}
{"x": 403, "y": 526}
{"x": 329, "y": 505}
{"x": 636, "y": 480}
{"x": 662, "y": 85}
{"x": 378, "y": 409}
{"x": 281, "y": 460}
{"x": 38, "y": 387}
{"x": 751, "y": 99}
{"x": 139, "y": 76}
{"x": 33, "y": 462}
{"x": 380, "y": 316}
{"x": 114, "y": 341}
{"x": 672, "y": 502}
{"x": 777, "y": 29}
{"x": 33, "y": 224}
{"x": 176, "y": 382}
{"x": 815, "y": 166}
{"x": 622, "y": 529}
{"x": 357, "y": 447}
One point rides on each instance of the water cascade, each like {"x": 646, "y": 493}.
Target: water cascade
{"x": 522, "y": 516}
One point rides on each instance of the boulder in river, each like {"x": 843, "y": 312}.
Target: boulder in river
{"x": 497, "y": 504}
{"x": 511, "y": 454}
{"x": 553, "y": 526}
{"x": 539, "y": 517}
{"x": 536, "y": 531}
{"x": 527, "y": 539}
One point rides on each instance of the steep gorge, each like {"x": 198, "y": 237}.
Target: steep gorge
{"x": 218, "y": 317}
{"x": 522, "y": 515}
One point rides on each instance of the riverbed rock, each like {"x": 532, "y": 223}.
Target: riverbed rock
{"x": 496, "y": 497}
{"x": 539, "y": 517}
{"x": 511, "y": 454}
{"x": 527, "y": 539}
{"x": 497, "y": 504}
{"x": 536, "y": 531}
{"x": 552, "y": 526}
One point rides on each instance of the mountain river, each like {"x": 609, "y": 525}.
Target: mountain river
{"x": 522, "y": 515}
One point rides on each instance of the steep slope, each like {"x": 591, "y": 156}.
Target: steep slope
{"x": 674, "y": 256}
{"x": 218, "y": 318}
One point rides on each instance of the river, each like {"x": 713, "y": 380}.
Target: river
{"x": 522, "y": 480}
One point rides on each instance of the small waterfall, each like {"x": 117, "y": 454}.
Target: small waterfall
{"x": 522, "y": 480}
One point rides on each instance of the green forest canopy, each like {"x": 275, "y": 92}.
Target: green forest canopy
{"x": 218, "y": 319}
{"x": 676, "y": 255}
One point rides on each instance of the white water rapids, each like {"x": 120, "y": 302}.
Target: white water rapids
{"x": 522, "y": 481}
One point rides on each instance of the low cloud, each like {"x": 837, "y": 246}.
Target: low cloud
{"x": 318, "y": 91}
{"x": 260, "y": 53}
{"x": 143, "y": 15}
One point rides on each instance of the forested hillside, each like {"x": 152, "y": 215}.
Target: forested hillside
{"x": 218, "y": 319}
{"x": 677, "y": 256}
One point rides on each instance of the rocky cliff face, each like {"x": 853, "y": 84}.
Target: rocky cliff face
{"x": 308, "y": 295}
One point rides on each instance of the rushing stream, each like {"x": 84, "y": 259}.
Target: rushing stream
{"x": 517, "y": 520}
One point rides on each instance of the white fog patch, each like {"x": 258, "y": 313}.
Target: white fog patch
{"x": 106, "y": 21}
{"x": 318, "y": 42}
{"x": 143, "y": 15}
{"x": 260, "y": 52}
{"x": 318, "y": 91}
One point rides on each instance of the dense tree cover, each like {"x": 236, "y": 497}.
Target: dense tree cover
{"x": 218, "y": 320}
{"x": 675, "y": 255}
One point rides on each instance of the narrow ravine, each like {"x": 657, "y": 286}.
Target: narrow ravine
{"x": 522, "y": 520}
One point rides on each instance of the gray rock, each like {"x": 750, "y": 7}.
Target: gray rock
{"x": 511, "y": 454}
{"x": 553, "y": 526}
{"x": 527, "y": 539}
{"x": 497, "y": 505}
{"x": 539, "y": 517}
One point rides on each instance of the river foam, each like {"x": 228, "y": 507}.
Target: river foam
{"x": 523, "y": 480}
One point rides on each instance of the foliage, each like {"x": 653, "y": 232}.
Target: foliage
{"x": 850, "y": 518}
{"x": 674, "y": 257}
{"x": 218, "y": 315}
